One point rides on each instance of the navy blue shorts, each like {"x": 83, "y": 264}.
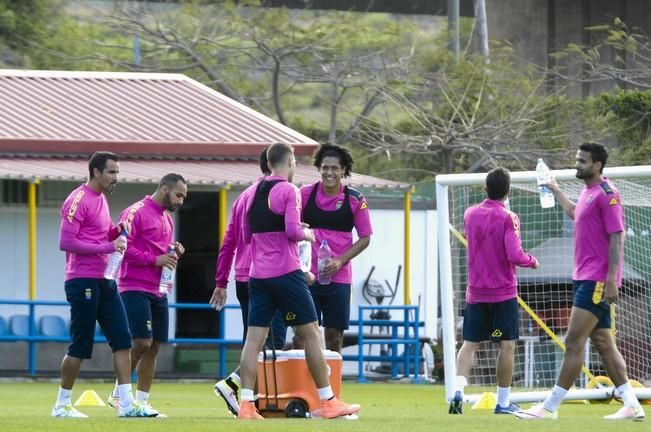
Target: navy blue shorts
{"x": 287, "y": 293}
{"x": 589, "y": 295}
{"x": 332, "y": 303}
{"x": 95, "y": 300}
{"x": 148, "y": 315}
{"x": 492, "y": 321}
{"x": 277, "y": 333}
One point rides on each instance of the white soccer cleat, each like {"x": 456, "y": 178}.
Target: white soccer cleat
{"x": 627, "y": 413}
{"x": 229, "y": 394}
{"x": 137, "y": 410}
{"x": 536, "y": 412}
{"x": 148, "y": 406}
{"x": 67, "y": 411}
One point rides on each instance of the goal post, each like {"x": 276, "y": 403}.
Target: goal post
{"x": 545, "y": 294}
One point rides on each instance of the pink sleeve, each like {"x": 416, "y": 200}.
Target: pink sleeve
{"x": 69, "y": 229}
{"x": 361, "y": 217}
{"x": 227, "y": 250}
{"x": 612, "y": 212}
{"x": 246, "y": 228}
{"x": 69, "y": 242}
{"x": 513, "y": 244}
{"x": 290, "y": 203}
{"x": 132, "y": 253}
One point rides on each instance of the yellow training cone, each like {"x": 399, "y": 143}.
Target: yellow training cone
{"x": 89, "y": 398}
{"x": 486, "y": 401}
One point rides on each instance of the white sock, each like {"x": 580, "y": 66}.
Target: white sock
{"x": 64, "y": 397}
{"x": 125, "y": 394}
{"x": 554, "y": 399}
{"x": 326, "y": 393}
{"x": 115, "y": 390}
{"x": 460, "y": 383}
{"x": 246, "y": 395}
{"x": 236, "y": 378}
{"x": 142, "y": 396}
{"x": 503, "y": 396}
{"x": 628, "y": 396}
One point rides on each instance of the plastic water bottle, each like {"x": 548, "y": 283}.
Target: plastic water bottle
{"x": 305, "y": 254}
{"x": 323, "y": 258}
{"x": 544, "y": 177}
{"x": 115, "y": 261}
{"x": 167, "y": 275}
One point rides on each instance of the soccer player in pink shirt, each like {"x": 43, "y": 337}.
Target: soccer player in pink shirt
{"x": 492, "y": 312}
{"x": 152, "y": 233}
{"x": 88, "y": 236}
{"x": 333, "y": 210}
{"x": 598, "y": 261}
{"x": 234, "y": 246}
{"x": 273, "y": 227}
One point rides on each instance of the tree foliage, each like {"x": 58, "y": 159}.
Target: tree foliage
{"x": 383, "y": 86}
{"x": 629, "y": 114}
{"x": 22, "y": 24}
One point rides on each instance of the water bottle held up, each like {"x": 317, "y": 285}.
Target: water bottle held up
{"x": 115, "y": 261}
{"x": 305, "y": 254}
{"x": 167, "y": 275}
{"x": 323, "y": 258}
{"x": 543, "y": 177}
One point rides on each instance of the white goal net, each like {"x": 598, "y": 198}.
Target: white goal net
{"x": 546, "y": 293}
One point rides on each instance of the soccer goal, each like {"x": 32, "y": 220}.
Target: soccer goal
{"x": 545, "y": 294}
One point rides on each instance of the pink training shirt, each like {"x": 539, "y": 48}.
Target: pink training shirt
{"x": 152, "y": 231}
{"x": 234, "y": 244}
{"x": 86, "y": 233}
{"x": 494, "y": 249}
{"x": 275, "y": 254}
{"x": 338, "y": 241}
{"x": 598, "y": 213}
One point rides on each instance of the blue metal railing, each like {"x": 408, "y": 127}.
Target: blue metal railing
{"x": 405, "y": 333}
{"x": 33, "y": 338}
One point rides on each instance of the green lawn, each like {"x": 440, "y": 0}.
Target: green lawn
{"x": 193, "y": 407}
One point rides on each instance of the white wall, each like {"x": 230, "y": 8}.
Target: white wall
{"x": 385, "y": 253}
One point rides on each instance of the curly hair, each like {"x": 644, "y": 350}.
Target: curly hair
{"x": 341, "y": 153}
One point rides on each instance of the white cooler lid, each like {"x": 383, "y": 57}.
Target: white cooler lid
{"x": 299, "y": 354}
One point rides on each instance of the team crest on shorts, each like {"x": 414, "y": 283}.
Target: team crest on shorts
{"x": 148, "y": 325}
{"x": 497, "y": 333}
{"x": 88, "y": 293}
{"x": 290, "y": 316}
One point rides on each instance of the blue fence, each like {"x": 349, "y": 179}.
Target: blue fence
{"x": 32, "y": 337}
{"x": 402, "y": 334}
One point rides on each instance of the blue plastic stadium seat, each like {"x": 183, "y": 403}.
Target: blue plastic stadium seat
{"x": 52, "y": 326}
{"x": 19, "y": 325}
{"x": 3, "y": 327}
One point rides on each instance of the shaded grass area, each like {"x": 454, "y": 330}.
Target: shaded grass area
{"x": 25, "y": 406}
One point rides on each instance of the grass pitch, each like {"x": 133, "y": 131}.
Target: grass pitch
{"x": 25, "y": 406}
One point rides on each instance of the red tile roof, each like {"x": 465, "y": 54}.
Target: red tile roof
{"x": 220, "y": 173}
{"x": 53, "y": 112}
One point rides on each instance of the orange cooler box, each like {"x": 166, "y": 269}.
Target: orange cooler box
{"x": 289, "y": 387}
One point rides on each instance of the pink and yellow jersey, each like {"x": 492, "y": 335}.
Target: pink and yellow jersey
{"x": 86, "y": 233}
{"x": 494, "y": 249}
{"x": 598, "y": 213}
{"x": 152, "y": 231}
{"x": 333, "y": 222}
